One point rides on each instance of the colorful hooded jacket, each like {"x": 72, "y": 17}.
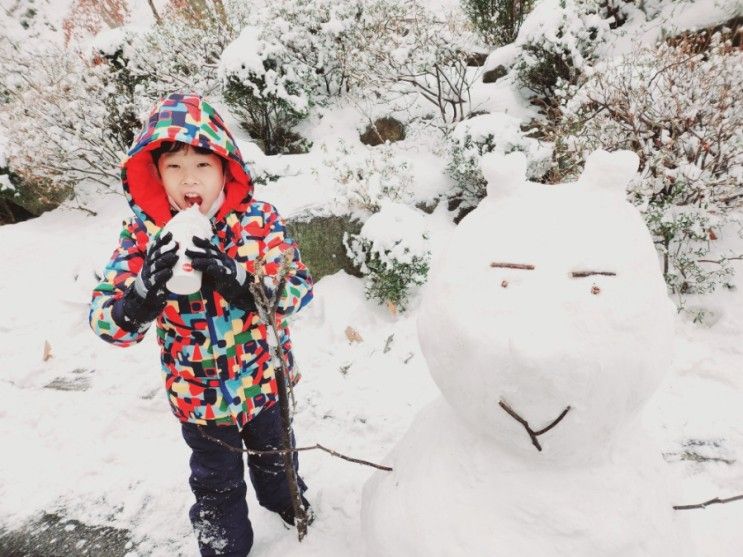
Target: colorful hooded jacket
{"x": 215, "y": 357}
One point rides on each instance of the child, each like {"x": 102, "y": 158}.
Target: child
{"x": 215, "y": 356}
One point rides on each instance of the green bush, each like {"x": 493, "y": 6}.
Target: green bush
{"x": 497, "y": 21}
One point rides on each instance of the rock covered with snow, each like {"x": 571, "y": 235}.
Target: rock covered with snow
{"x": 547, "y": 308}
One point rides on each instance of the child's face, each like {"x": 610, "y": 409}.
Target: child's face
{"x": 190, "y": 178}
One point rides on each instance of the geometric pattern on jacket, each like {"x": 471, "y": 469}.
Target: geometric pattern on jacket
{"x": 215, "y": 358}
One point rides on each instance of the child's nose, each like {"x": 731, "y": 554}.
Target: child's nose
{"x": 189, "y": 178}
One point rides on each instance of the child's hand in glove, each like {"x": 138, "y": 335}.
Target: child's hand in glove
{"x": 145, "y": 299}
{"x": 230, "y": 278}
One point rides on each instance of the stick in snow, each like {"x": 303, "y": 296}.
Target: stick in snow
{"x": 714, "y": 501}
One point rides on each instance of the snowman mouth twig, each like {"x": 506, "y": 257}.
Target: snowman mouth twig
{"x": 532, "y": 434}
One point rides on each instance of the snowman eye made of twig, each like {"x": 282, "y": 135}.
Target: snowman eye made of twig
{"x": 520, "y": 266}
{"x": 584, "y": 274}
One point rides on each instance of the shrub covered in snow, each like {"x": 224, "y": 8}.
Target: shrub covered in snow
{"x": 488, "y": 133}
{"x": 59, "y": 114}
{"x": 680, "y": 111}
{"x": 367, "y": 177}
{"x": 429, "y": 58}
{"x": 557, "y": 42}
{"x": 497, "y": 21}
{"x": 392, "y": 251}
{"x": 334, "y": 39}
{"x": 267, "y": 88}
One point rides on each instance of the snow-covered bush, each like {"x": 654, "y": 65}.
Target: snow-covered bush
{"x": 265, "y": 87}
{"x": 367, "y": 177}
{"x": 334, "y": 39}
{"x": 557, "y": 43}
{"x": 680, "y": 111}
{"x": 429, "y": 59}
{"x": 497, "y": 21}
{"x": 392, "y": 251}
{"x": 483, "y": 134}
{"x": 58, "y": 114}
{"x": 177, "y": 56}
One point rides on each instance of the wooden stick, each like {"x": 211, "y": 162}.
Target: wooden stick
{"x": 522, "y": 266}
{"x": 714, "y": 501}
{"x": 532, "y": 434}
{"x": 583, "y": 274}
{"x": 316, "y": 446}
{"x": 268, "y": 307}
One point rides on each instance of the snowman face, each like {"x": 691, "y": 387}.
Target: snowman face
{"x": 546, "y": 300}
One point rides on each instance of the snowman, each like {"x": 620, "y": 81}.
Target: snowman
{"x": 546, "y": 325}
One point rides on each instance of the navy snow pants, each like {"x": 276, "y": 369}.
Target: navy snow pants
{"x": 220, "y": 514}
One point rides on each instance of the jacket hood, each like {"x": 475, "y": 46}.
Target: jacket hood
{"x": 191, "y": 120}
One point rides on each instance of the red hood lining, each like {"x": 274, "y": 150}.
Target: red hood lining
{"x": 148, "y": 193}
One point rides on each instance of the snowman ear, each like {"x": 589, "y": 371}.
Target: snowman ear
{"x": 504, "y": 173}
{"x": 610, "y": 172}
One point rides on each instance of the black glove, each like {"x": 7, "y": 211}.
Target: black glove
{"x": 231, "y": 280}
{"x": 145, "y": 299}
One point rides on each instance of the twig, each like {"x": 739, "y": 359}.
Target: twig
{"x": 532, "y": 434}
{"x": 714, "y": 501}
{"x": 583, "y": 274}
{"x": 316, "y": 446}
{"x": 268, "y": 307}
{"x": 523, "y": 266}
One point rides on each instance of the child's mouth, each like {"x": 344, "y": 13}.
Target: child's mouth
{"x": 192, "y": 199}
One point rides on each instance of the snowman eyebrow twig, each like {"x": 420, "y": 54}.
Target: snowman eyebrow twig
{"x": 583, "y": 274}
{"x": 522, "y": 266}
{"x": 533, "y": 434}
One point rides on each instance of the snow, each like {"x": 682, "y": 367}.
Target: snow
{"x": 397, "y": 232}
{"x": 243, "y": 57}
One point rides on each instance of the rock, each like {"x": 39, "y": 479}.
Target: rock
{"x": 320, "y": 241}
{"x": 476, "y": 59}
{"x": 491, "y": 76}
{"x": 387, "y": 129}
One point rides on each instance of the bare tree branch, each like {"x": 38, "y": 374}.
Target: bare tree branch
{"x": 714, "y": 501}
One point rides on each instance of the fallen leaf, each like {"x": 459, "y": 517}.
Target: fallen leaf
{"x": 392, "y": 307}
{"x": 47, "y": 351}
{"x": 353, "y": 335}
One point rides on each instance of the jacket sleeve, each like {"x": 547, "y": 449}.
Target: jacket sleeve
{"x": 298, "y": 290}
{"x": 118, "y": 276}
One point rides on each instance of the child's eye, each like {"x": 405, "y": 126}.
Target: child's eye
{"x": 203, "y": 164}
{"x": 172, "y": 165}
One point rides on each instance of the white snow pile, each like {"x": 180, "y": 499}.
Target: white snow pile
{"x": 548, "y": 303}
{"x": 398, "y": 233}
